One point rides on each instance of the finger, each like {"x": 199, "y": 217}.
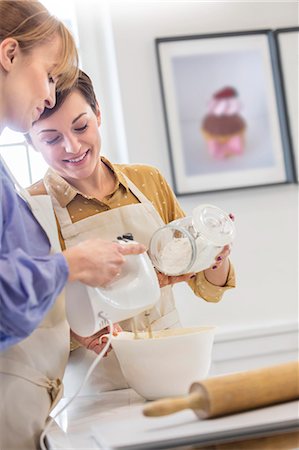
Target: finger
{"x": 93, "y": 345}
{"x": 224, "y": 252}
{"x": 104, "y": 331}
{"x": 98, "y": 348}
{"x": 132, "y": 249}
{"x": 180, "y": 278}
{"x": 232, "y": 216}
{"x": 163, "y": 279}
{"x": 85, "y": 342}
{"x": 116, "y": 329}
{"x": 166, "y": 282}
{"x": 223, "y": 255}
{"x": 103, "y": 340}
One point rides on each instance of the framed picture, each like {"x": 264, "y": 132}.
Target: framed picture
{"x": 224, "y": 111}
{"x": 288, "y": 58}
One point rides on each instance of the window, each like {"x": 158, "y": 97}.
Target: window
{"x": 26, "y": 164}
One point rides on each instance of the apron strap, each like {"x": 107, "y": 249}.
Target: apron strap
{"x": 133, "y": 188}
{"x": 42, "y": 209}
{"x": 63, "y": 216}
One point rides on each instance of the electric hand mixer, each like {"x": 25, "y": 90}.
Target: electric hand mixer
{"x": 135, "y": 290}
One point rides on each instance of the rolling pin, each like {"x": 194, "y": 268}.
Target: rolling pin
{"x": 228, "y": 394}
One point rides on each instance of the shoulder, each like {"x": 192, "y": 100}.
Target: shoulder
{"x": 4, "y": 177}
{"x": 37, "y": 188}
{"x": 140, "y": 171}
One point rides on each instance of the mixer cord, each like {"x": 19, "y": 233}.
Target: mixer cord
{"x": 88, "y": 373}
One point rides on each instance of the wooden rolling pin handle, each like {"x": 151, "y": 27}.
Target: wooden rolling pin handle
{"x": 242, "y": 391}
{"x": 171, "y": 405}
{"x": 233, "y": 393}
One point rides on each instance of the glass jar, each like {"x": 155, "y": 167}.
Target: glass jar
{"x": 191, "y": 244}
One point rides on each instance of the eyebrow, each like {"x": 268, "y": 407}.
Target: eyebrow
{"x": 75, "y": 120}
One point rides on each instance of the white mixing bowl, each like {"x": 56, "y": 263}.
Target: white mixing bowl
{"x": 167, "y": 364}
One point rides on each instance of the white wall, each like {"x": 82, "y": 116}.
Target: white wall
{"x": 266, "y": 248}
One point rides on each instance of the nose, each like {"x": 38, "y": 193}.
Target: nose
{"x": 72, "y": 145}
{"x": 51, "y": 99}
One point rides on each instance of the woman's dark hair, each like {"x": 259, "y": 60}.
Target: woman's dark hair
{"x": 84, "y": 86}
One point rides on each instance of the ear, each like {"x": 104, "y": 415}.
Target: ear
{"x": 9, "y": 48}
{"x": 98, "y": 115}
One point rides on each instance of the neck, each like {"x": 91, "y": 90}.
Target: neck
{"x": 2, "y": 125}
{"x": 2, "y": 100}
{"x": 99, "y": 184}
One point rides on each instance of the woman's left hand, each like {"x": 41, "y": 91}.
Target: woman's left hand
{"x": 225, "y": 252}
{"x": 96, "y": 342}
{"x": 221, "y": 257}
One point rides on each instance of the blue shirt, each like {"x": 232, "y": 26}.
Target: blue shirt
{"x": 30, "y": 278}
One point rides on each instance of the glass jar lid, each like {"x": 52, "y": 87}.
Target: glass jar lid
{"x": 214, "y": 224}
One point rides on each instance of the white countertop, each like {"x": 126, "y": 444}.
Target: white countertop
{"x": 114, "y": 420}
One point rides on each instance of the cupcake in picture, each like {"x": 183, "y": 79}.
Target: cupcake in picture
{"x": 223, "y": 127}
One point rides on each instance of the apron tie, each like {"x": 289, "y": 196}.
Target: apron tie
{"x": 21, "y": 370}
{"x": 55, "y": 390}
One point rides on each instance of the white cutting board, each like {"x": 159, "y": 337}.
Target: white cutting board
{"x": 114, "y": 420}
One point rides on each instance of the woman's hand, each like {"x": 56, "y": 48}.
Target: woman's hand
{"x": 165, "y": 280}
{"x": 221, "y": 257}
{"x": 97, "y": 262}
{"x": 96, "y": 342}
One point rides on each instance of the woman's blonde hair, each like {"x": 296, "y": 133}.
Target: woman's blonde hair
{"x": 31, "y": 24}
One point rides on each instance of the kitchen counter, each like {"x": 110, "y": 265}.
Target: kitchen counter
{"x": 114, "y": 420}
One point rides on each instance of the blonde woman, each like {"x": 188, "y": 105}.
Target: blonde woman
{"x": 37, "y": 56}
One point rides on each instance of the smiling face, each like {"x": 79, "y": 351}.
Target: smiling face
{"x": 69, "y": 139}
{"x": 28, "y": 83}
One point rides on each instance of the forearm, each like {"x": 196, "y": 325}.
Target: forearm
{"x": 211, "y": 292}
{"x": 28, "y": 288}
{"x": 218, "y": 276}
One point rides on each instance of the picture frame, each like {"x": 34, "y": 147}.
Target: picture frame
{"x": 287, "y": 40}
{"x": 224, "y": 111}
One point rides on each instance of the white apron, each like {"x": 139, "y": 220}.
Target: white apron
{"x": 142, "y": 220}
{"x": 31, "y": 371}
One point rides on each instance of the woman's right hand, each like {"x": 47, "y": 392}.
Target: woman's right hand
{"x": 97, "y": 262}
{"x": 165, "y": 280}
